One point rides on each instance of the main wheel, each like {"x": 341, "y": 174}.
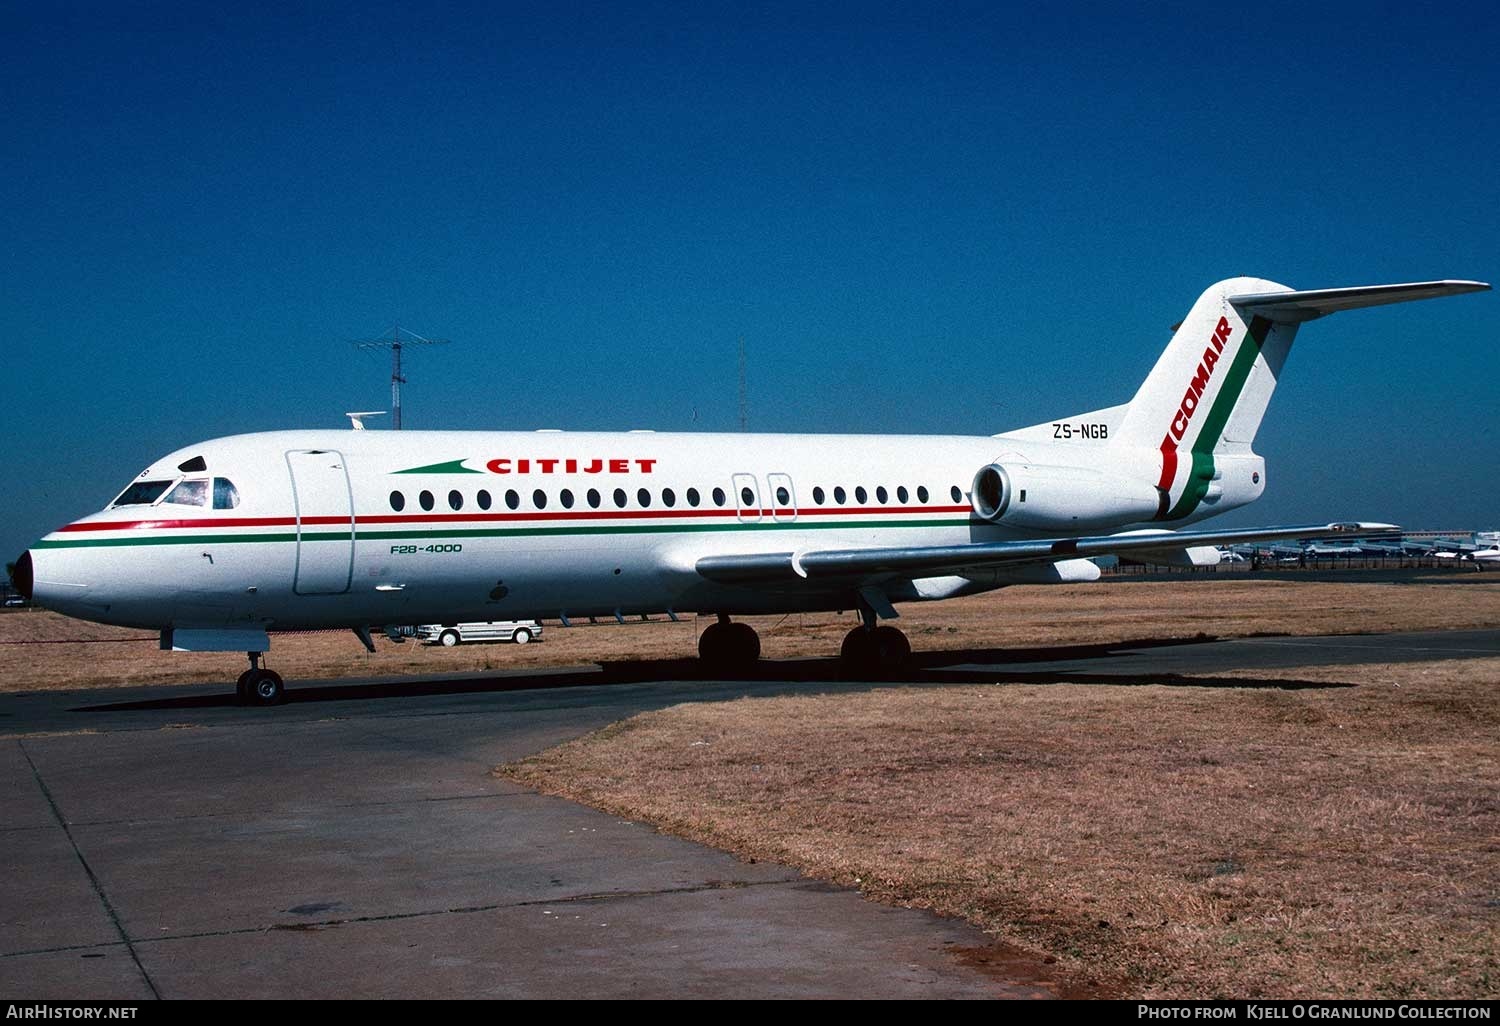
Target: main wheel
{"x": 242, "y": 688}
{"x": 729, "y": 647}
{"x": 448, "y": 638}
{"x": 876, "y": 652}
{"x": 265, "y": 687}
{"x": 894, "y": 649}
{"x": 521, "y": 636}
{"x": 745, "y": 643}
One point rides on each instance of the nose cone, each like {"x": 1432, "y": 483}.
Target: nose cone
{"x": 23, "y": 578}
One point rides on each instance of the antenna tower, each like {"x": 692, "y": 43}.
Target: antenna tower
{"x": 400, "y": 338}
{"x": 744, "y": 400}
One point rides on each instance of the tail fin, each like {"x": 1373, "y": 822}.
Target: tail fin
{"x": 1209, "y": 390}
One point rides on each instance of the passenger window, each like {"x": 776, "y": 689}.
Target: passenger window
{"x": 921, "y": 493}
{"x": 839, "y": 495}
{"x": 512, "y": 499}
{"x": 142, "y": 493}
{"x": 958, "y": 496}
{"x": 620, "y": 499}
{"x": 226, "y": 495}
{"x": 783, "y": 497}
{"x": 398, "y": 501}
{"x": 539, "y": 499}
{"x": 643, "y": 497}
{"x": 860, "y": 495}
{"x": 881, "y": 495}
{"x": 566, "y": 498}
{"x": 455, "y": 500}
{"x": 426, "y": 500}
{"x": 483, "y": 498}
{"x": 189, "y": 493}
{"x": 719, "y": 496}
{"x": 693, "y": 497}
{"x": 818, "y": 495}
{"x": 668, "y": 497}
{"x": 747, "y": 497}
{"x": 594, "y": 498}
{"x": 901, "y": 494}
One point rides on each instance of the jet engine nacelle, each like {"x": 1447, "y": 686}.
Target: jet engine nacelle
{"x": 1060, "y": 498}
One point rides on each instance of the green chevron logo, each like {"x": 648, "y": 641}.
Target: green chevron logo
{"x": 451, "y": 467}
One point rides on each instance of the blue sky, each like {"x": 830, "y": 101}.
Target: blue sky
{"x": 920, "y": 218}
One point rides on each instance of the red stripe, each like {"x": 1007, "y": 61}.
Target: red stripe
{"x": 1168, "y": 475}
{"x": 449, "y": 518}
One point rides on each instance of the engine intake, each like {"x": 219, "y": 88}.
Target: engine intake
{"x": 1059, "y": 498}
{"x": 990, "y": 493}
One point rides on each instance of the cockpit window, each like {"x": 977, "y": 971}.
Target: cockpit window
{"x": 226, "y": 495}
{"x": 189, "y": 493}
{"x": 142, "y": 493}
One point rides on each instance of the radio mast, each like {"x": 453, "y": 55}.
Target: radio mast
{"x": 744, "y": 398}
{"x": 400, "y": 338}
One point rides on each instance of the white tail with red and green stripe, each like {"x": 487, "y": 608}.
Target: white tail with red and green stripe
{"x": 1202, "y": 403}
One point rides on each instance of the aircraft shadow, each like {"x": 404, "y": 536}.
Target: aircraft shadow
{"x": 951, "y": 667}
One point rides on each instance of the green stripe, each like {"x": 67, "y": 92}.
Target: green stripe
{"x": 496, "y": 532}
{"x": 1202, "y": 473}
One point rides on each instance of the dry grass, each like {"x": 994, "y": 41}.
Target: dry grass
{"x": 1170, "y": 841}
{"x": 1116, "y": 609}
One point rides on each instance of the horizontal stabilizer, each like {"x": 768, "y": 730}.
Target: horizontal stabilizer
{"x": 936, "y": 560}
{"x": 1304, "y": 306}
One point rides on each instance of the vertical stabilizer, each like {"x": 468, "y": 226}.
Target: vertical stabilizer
{"x": 1208, "y": 391}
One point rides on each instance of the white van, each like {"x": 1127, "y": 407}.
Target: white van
{"x": 450, "y": 634}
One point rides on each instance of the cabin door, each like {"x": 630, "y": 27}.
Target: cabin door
{"x": 325, "y": 522}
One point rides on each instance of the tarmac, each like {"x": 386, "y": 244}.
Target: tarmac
{"x": 165, "y": 842}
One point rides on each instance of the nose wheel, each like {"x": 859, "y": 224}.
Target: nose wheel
{"x": 259, "y": 686}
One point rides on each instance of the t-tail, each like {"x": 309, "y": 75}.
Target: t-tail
{"x": 1203, "y": 401}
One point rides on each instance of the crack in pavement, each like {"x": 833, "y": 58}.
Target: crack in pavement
{"x": 109, "y": 908}
{"x": 314, "y": 925}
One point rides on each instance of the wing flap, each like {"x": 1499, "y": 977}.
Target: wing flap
{"x": 937, "y": 560}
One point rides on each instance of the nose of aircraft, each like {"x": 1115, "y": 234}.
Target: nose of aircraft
{"x": 23, "y": 577}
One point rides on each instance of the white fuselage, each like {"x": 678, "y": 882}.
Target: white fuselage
{"x": 365, "y": 528}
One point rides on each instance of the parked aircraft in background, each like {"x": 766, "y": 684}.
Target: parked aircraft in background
{"x": 223, "y": 541}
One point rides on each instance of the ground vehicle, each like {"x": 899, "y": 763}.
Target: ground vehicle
{"x": 450, "y": 634}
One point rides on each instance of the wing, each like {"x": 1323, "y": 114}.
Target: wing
{"x": 942, "y": 560}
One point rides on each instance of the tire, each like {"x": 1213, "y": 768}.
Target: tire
{"x": 242, "y": 688}
{"x": 745, "y": 644}
{"x": 729, "y": 648}
{"x": 265, "y": 687}
{"x": 878, "y": 653}
{"x": 448, "y": 639}
{"x": 893, "y": 648}
{"x": 521, "y": 637}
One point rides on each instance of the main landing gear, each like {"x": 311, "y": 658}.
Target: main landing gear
{"x": 869, "y": 650}
{"x": 729, "y": 647}
{"x": 259, "y": 686}
{"x": 873, "y": 650}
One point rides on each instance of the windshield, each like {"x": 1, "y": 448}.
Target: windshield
{"x": 190, "y": 493}
{"x": 142, "y": 493}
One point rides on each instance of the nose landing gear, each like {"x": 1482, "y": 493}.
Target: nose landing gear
{"x": 259, "y": 686}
